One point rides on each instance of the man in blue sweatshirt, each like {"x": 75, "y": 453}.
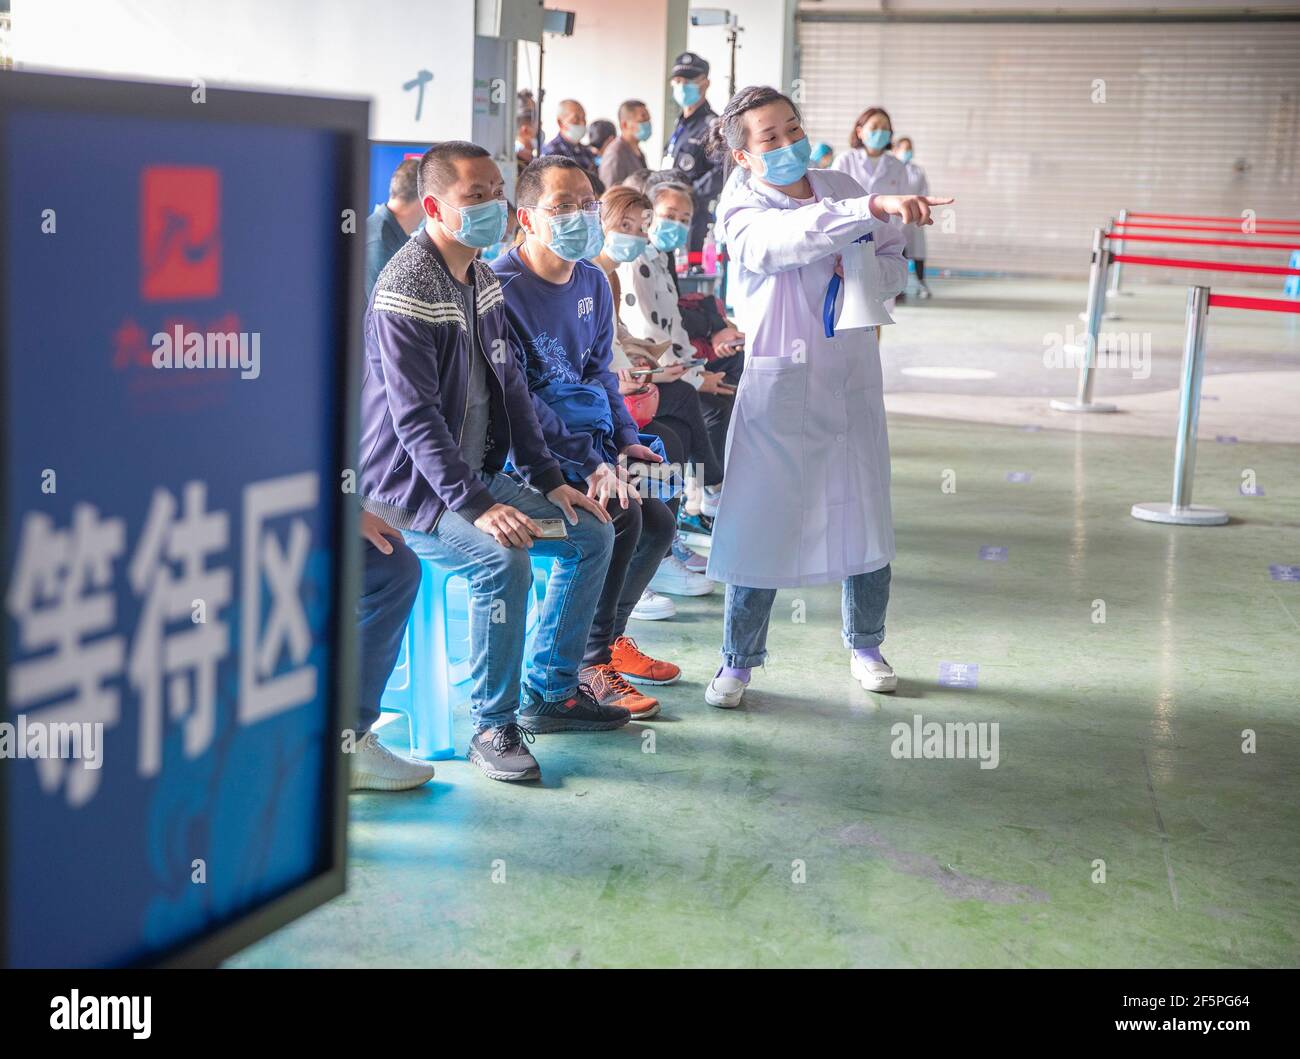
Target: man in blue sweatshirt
{"x": 443, "y": 404}
{"x": 561, "y": 312}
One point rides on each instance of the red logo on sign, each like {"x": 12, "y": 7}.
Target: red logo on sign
{"x": 180, "y": 233}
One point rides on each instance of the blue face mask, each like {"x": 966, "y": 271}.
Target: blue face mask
{"x": 576, "y": 236}
{"x": 686, "y": 93}
{"x": 878, "y": 139}
{"x": 643, "y": 131}
{"x": 786, "y": 165}
{"x": 481, "y": 225}
{"x": 905, "y": 157}
{"x": 668, "y": 235}
{"x": 623, "y": 247}
{"x": 595, "y": 236}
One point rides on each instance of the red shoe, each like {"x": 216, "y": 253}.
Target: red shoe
{"x": 610, "y": 689}
{"x": 636, "y": 665}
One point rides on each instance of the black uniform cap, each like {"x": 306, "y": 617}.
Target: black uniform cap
{"x": 690, "y": 66}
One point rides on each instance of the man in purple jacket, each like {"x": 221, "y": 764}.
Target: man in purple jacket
{"x": 444, "y": 405}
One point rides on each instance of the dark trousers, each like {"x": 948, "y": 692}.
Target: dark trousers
{"x": 389, "y": 586}
{"x": 681, "y": 410}
{"x": 674, "y": 446}
{"x": 642, "y": 535}
{"x": 717, "y": 408}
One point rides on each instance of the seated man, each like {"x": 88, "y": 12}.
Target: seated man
{"x": 392, "y": 223}
{"x": 390, "y": 582}
{"x": 568, "y": 141}
{"x": 562, "y": 315}
{"x": 622, "y": 156}
{"x": 443, "y": 405}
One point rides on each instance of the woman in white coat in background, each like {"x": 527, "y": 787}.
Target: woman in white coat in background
{"x": 870, "y": 163}
{"x": 868, "y": 160}
{"x": 806, "y": 499}
{"x": 917, "y": 184}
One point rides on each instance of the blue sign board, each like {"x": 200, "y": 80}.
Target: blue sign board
{"x": 177, "y": 354}
{"x": 384, "y": 158}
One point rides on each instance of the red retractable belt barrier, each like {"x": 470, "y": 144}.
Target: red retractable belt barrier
{"x": 1126, "y": 237}
{"x": 1273, "y": 305}
{"x": 1213, "y": 266}
{"x": 1192, "y": 217}
{"x": 1229, "y": 229}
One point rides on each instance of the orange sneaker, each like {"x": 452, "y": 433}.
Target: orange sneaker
{"x": 636, "y": 665}
{"x": 610, "y": 689}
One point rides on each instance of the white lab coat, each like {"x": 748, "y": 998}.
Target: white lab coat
{"x": 917, "y": 184}
{"x": 885, "y": 175}
{"x": 806, "y": 496}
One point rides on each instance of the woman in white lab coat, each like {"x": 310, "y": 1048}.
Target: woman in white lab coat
{"x": 869, "y": 162}
{"x": 806, "y": 500}
{"x": 917, "y": 184}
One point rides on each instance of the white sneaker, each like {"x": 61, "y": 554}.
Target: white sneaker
{"x": 653, "y": 607}
{"x": 873, "y": 675}
{"x": 724, "y": 692}
{"x": 673, "y": 577}
{"x": 376, "y": 768}
{"x": 709, "y": 500}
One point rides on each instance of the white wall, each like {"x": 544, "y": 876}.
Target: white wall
{"x": 324, "y": 47}
{"x": 619, "y": 50}
{"x": 765, "y": 46}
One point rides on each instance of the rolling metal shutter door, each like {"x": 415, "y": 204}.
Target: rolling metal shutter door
{"x": 1198, "y": 118}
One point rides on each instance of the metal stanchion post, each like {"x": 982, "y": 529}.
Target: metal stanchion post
{"x": 1109, "y": 242}
{"x": 1087, "y": 353}
{"x": 1180, "y": 511}
{"x": 1117, "y": 267}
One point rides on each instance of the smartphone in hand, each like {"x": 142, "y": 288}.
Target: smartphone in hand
{"x": 553, "y": 529}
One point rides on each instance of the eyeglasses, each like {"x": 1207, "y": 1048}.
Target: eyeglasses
{"x": 568, "y": 209}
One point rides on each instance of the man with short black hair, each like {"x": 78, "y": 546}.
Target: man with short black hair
{"x": 622, "y": 155}
{"x": 444, "y": 405}
{"x": 392, "y": 223}
{"x": 562, "y": 314}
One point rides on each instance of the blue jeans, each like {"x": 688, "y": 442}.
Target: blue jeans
{"x": 500, "y": 580}
{"x": 749, "y": 610}
{"x": 389, "y": 586}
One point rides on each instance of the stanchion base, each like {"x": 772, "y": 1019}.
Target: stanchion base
{"x": 1119, "y": 294}
{"x": 1107, "y": 315}
{"x": 1077, "y": 406}
{"x": 1192, "y": 515}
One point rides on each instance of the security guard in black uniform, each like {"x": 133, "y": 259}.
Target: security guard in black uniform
{"x": 687, "y": 145}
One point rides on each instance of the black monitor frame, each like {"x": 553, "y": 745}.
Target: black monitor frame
{"x": 349, "y": 119}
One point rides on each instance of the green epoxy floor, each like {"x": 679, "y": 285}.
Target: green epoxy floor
{"x": 1118, "y": 742}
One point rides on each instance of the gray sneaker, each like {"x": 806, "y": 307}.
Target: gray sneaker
{"x": 501, "y": 754}
{"x": 579, "y": 712}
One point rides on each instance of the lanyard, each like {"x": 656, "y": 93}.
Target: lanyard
{"x": 832, "y": 292}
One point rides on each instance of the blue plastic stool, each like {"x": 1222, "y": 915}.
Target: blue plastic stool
{"x": 432, "y": 675}
{"x": 1292, "y": 286}
{"x": 432, "y": 678}
{"x": 541, "y": 577}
